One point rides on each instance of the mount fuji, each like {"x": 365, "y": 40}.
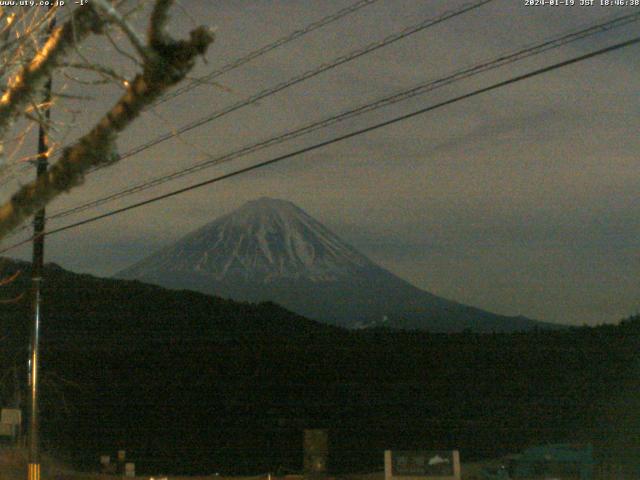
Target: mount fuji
{"x": 271, "y": 250}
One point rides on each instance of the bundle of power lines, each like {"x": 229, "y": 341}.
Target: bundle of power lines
{"x": 422, "y": 88}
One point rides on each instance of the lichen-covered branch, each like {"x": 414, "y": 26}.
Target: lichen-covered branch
{"x": 168, "y": 63}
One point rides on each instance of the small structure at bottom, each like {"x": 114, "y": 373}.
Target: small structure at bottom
{"x": 316, "y": 451}
{"x": 546, "y": 461}
{"x": 106, "y": 466}
{"x": 129, "y": 469}
{"x": 422, "y": 465}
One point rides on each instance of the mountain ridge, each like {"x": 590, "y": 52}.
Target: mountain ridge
{"x": 322, "y": 256}
{"x": 146, "y": 368}
{"x": 272, "y": 250}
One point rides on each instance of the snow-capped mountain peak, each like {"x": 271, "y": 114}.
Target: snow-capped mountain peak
{"x": 264, "y": 240}
{"x": 270, "y": 249}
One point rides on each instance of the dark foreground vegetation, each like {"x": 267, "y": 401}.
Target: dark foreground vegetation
{"x": 188, "y": 383}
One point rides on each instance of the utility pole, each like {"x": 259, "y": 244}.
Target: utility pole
{"x": 42, "y": 164}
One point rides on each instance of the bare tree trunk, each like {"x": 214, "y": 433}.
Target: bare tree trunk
{"x": 164, "y": 63}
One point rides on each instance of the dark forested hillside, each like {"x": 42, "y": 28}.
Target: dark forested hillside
{"x": 191, "y": 383}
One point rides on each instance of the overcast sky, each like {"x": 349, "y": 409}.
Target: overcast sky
{"x": 523, "y": 200}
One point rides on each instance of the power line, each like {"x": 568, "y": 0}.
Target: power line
{"x": 27, "y": 36}
{"x": 261, "y": 51}
{"x": 430, "y": 22}
{"x": 266, "y": 49}
{"x": 368, "y": 107}
{"x": 340, "y": 138}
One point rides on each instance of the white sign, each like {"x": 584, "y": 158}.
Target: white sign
{"x": 421, "y": 465}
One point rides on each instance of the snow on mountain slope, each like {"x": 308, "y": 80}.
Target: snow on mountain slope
{"x": 263, "y": 241}
{"x": 271, "y": 250}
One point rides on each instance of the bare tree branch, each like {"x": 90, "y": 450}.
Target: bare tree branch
{"x": 117, "y": 48}
{"x": 158, "y": 22}
{"x": 113, "y": 15}
{"x": 168, "y": 62}
{"x": 6, "y": 301}
{"x": 10, "y": 279}
{"x": 31, "y": 76}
